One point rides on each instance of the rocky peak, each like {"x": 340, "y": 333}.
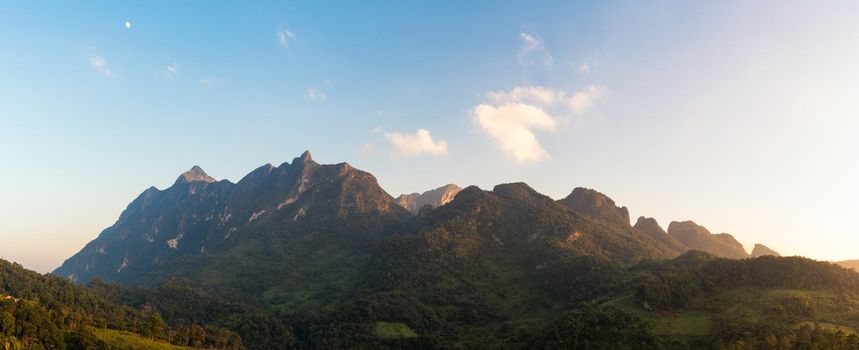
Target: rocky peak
{"x": 649, "y": 226}
{"x": 589, "y": 202}
{"x": 195, "y": 174}
{"x": 762, "y": 250}
{"x": 303, "y": 158}
{"x": 434, "y": 198}
{"x": 697, "y": 237}
{"x": 687, "y": 232}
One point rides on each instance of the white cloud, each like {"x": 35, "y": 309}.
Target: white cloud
{"x": 511, "y": 125}
{"x": 315, "y": 95}
{"x": 284, "y": 36}
{"x": 583, "y": 100}
{"x": 533, "y": 48}
{"x": 100, "y": 64}
{"x": 580, "y": 102}
{"x": 172, "y": 70}
{"x": 512, "y": 117}
{"x": 127, "y": 25}
{"x": 584, "y": 68}
{"x": 421, "y": 142}
{"x": 536, "y": 94}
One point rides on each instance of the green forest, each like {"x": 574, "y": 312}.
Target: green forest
{"x": 690, "y": 302}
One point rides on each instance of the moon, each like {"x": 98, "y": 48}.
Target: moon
{"x": 127, "y": 25}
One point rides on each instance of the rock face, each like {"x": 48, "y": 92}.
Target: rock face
{"x": 435, "y": 198}
{"x": 198, "y": 213}
{"x": 591, "y": 203}
{"x": 697, "y": 237}
{"x": 762, "y": 250}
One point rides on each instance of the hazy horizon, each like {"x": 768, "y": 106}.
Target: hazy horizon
{"x": 738, "y": 116}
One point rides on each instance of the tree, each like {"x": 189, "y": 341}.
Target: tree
{"x": 196, "y": 336}
{"x": 7, "y": 323}
{"x": 155, "y": 325}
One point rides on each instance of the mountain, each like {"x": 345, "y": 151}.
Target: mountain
{"x": 434, "y": 198}
{"x": 489, "y": 260}
{"x": 697, "y": 237}
{"x": 650, "y": 227}
{"x": 198, "y": 213}
{"x": 318, "y": 256}
{"x": 850, "y": 264}
{"x": 595, "y": 204}
{"x": 762, "y": 250}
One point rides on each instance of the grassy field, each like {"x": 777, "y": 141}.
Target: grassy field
{"x": 691, "y": 323}
{"x": 393, "y": 330}
{"x": 131, "y": 341}
{"x": 752, "y": 304}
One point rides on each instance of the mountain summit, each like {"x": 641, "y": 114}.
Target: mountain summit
{"x": 195, "y": 174}
{"x": 762, "y": 250}
{"x": 592, "y": 203}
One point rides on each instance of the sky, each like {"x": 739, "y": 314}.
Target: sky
{"x": 741, "y": 116}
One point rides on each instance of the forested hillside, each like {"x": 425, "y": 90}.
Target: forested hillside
{"x": 47, "y": 312}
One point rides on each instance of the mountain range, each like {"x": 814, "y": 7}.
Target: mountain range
{"x": 319, "y": 256}
{"x": 198, "y": 214}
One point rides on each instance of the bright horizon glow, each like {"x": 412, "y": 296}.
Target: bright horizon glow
{"x": 739, "y": 116}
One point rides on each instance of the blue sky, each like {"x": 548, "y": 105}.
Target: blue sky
{"x": 740, "y": 116}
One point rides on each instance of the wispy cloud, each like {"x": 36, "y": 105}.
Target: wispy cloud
{"x": 172, "y": 69}
{"x": 316, "y": 95}
{"x": 419, "y": 143}
{"x": 512, "y": 117}
{"x": 284, "y": 36}
{"x": 533, "y": 50}
{"x": 100, "y": 64}
{"x": 536, "y": 94}
{"x": 584, "y": 68}
{"x": 583, "y": 100}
